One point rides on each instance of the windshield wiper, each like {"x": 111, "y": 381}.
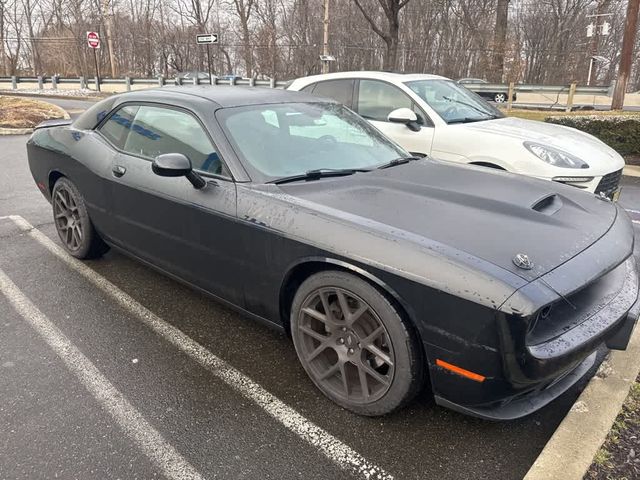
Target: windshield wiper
{"x": 489, "y": 115}
{"x": 319, "y": 173}
{"x": 398, "y": 161}
{"x": 466, "y": 120}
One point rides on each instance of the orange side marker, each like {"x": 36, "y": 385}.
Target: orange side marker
{"x": 460, "y": 371}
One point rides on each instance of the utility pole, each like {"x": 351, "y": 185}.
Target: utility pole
{"x": 108, "y": 23}
{"x": 596, "y": 29}
{"x": 325, "y": 38}
{"x": 626, "y": 57}
{"x": 594, "y": 44}
{"x": 499, "y": 41}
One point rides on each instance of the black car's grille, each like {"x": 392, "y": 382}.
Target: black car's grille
{"x": 609, "y": 184}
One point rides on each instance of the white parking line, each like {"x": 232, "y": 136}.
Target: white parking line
{"x": 632, "y": 210}
{"x": 636, "y": 222}
{"x": 331, "y": 447}
{"x": 163, "y": 455}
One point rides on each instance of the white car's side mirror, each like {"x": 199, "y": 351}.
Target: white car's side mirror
{"x": 405, "y": 116}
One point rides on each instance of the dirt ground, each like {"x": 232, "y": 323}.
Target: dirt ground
{"x": 619, "y": 456}
{"x": 17, "y": 112}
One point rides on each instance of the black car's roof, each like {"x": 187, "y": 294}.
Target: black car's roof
{"x": 225, "y": 96}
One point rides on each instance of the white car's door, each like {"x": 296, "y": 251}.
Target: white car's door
{"x": 375, "y": 99}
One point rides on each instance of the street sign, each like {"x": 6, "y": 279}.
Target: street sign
{"x": 93, "y": 39}
{"x": 206, "y": 38}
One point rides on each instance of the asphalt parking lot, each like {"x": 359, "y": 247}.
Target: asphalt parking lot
{"x": 114, "y": 371}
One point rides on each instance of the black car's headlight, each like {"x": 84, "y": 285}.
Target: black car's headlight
{"x": 554, "y": 156}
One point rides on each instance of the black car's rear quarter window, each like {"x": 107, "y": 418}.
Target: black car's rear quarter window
{"x": 95, "y": 114}
{"x": 116, "y": 129}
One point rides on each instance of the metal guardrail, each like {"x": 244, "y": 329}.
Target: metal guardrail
{"x": 159, "y": 81}
{"x": 129, "y": 82}
{"x": 512, "y": 89}
{"x": 530, "y": 88}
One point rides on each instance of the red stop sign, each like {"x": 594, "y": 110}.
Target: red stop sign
{"x": 93, "y": 39}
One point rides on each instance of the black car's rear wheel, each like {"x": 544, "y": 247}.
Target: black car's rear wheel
{"x": 354, "y": 344}
{"x": 74, "y": 227}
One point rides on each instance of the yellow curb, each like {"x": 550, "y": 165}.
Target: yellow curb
{"x": 631, "y": 171}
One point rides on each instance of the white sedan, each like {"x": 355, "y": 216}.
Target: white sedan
{"x": 432, "y": 115}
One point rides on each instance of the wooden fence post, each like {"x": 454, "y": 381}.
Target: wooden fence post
{"x": 572, "y": 93}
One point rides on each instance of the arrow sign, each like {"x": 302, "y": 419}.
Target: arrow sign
{"x": 206, "y": 38}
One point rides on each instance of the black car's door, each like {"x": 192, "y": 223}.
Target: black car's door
{"x": 187, "y": 232}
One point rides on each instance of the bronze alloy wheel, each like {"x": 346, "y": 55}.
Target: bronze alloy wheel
{"x": 67, "y": 217}
{"x": 72, "y": 222}
{"x": 345, "y": 345}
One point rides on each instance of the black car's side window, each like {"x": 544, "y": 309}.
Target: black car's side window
{"x": 158, "y": 130}
{"x": 116, "y": 129}
{"x": 340, "y": 90}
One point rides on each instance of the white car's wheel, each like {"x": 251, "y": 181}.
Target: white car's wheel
{"x": 500, "y": 97}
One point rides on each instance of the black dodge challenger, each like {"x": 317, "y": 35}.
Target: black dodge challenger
{"x": 388, "y": 271}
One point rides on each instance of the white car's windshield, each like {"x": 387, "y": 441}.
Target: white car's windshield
{"x": 453, "y": 102}
{"x": 282, "y": 140}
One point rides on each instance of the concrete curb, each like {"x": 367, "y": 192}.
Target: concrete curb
{"x": 631, "y": 171}
{"x": 26, "y": 131}
{"x": 15, "y": 131}
{"x": 570, "y": 451}
{"x": 58, "y": 97}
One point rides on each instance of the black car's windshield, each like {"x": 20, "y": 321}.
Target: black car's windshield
{"x": 282, "y": 140}
{"x": 453, "y": 102}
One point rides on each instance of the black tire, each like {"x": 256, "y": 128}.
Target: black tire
{"x": 390, "y": 361}
{"x": 74, "y": 227}
{"x": 500, "y": 97}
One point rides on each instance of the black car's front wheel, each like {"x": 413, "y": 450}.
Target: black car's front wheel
{"x": 72, "y": 222}
{"x": 354, "y": 344}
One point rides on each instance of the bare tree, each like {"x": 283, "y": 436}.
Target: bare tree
{"x": 244, "y": 9}
{"x": 499, "y": 41}
{"x": 391, "y": 10}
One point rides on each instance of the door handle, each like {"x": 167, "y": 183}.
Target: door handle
{"x": 118, "y": 171}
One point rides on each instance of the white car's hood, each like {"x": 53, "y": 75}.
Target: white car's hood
{"x": 581, "y": 144}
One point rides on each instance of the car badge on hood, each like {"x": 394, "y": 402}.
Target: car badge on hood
{"x": 522, "y": 261}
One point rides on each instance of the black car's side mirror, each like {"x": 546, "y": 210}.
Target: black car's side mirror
{"x": 405, "y": 116}
{"x": 177, "y": 165}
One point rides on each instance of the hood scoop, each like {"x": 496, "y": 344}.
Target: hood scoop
{"x": 549, "y": 204}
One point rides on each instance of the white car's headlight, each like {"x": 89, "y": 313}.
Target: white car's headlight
{"x": 554, "y": 156}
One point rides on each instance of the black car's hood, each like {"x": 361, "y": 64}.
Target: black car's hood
{"x": 491, "y": 215}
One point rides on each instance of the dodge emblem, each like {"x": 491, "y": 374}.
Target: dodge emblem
{"x": 522, "y": 261}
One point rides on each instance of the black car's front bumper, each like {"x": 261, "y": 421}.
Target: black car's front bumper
{"x": 535, "y": 368}
{"x": 521, "y": 405}
{"x": 524, "y": 403}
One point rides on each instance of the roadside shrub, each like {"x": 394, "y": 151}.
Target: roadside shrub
{"x": 620, "y": 132}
